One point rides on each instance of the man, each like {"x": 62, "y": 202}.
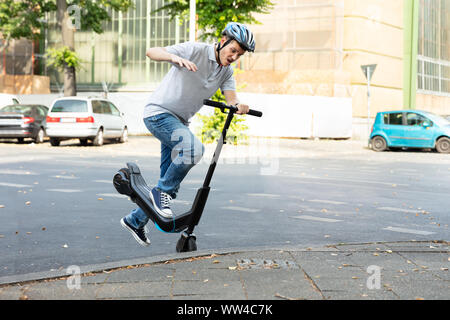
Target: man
{"x": 198, "y": 71}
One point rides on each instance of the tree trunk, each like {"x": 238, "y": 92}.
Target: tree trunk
{"x": 67, "y": 33}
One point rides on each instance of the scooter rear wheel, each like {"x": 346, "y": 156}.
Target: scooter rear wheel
{"x": 187, "y": 243}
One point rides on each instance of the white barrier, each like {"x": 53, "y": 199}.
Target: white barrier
{"x": 284, "y": 115}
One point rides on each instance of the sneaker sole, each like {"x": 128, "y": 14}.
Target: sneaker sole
{"x": 142, "y": 243}
{"x": 165, "y": 215}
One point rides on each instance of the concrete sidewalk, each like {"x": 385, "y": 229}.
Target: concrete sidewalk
{"x": 413, "y": 270}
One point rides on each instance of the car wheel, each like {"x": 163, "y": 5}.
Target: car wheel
{"x": 84, "y": 142}
{"x": 124, "y": 137}
{"x": 98, "y": 140}
{"x": 379, "y": 144}
{"x": 40, "y": 136}
{"x": 443, "y": 145}
{"x": 20, "y": 140}
{"x": 54, "y": 142}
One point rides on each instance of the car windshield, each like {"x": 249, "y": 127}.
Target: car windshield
{"x": 17, "y": 109}
{"x": 70, "y": 106}
{"x": 438, "y": 119}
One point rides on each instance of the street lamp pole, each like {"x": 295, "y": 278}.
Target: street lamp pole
{"x": 368, "y": 71}
{"x": 192, "y": 19}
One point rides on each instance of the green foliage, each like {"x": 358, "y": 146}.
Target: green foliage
{"x": 94, "y": 13}
{"x": 213, "y": 15}
{"x": 62, "y": 57}
{"x": 212, "y": 125}
{"x": 25, "y": 18}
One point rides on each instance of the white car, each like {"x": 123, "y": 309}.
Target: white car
{"x": 94, "y": 119}
{"x": 8, "y": 99}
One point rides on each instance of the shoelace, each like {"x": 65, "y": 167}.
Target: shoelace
{"x": 165, "y": 200}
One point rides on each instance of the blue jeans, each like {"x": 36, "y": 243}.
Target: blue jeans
{"x": 180, "y": 151}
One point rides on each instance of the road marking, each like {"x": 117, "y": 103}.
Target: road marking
{"x": 265, "y": 195}
{"x": 103, "y": 181}
{"x": 404, "y": 230}
{"x": 14, "y": 185}
{"x": 353, "y": 181}
{"x": 112, "y": 195}
{"x": 240, "y": 209}
{"x": 19, "y": 172}
{"x": 399, "y": 210}
{"x": 64, "y": 190}
{"x": 327, "y": 201}
{"x": 65, "y": 177}
{"x": 316, "y": 219}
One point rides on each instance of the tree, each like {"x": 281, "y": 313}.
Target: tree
{"x": 213, "y": 15}
{"x": 25, "y": 19}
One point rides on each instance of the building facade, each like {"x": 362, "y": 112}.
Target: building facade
{"x": 304, "y": 47}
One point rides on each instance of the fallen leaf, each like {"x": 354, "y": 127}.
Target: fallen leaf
{"x": 2, "y": 236}
{"x": 355, "y": 277}
{"x": 389, "y": 251}
{"x": 232, "y": 268}
{"x": 419, "y": 298}
{"x": 444, "y": 269}
{"x": 376, "y": 254}
{"x": 28, "y": 232}
{"x": 28, "y": 203}
{"x": 216, "y": 261}
{"x": 44, "y": 228}
{"x": 206, "y": 280}
{"x": 1, "y": 206}
{"x": 100, "y": 199}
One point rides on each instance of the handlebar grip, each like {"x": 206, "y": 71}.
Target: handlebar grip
{"x": 255, "y": 113}
{"x": 223, "y": 105}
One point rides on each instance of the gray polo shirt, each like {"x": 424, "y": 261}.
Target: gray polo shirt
{"x": 181, "y": 92}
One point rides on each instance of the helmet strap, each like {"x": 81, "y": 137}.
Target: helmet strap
{"x": 220, "y": 48}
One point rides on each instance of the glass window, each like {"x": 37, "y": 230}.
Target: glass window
{"x": 105, "y": 108}
{"x": 393, "y": 118}
{"x": 414, "y": 119}
{"x": 26, "y": 110}
{"x": 96, "y": 106}
{"x": 70, "y": 106}
{"x": 114, "y": 110}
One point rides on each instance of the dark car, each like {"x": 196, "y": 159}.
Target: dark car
{"x": 23, "y": 121}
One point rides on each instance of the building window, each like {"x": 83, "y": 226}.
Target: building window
{"x": 117, "y": 56}
{"x": 433, "y": 68}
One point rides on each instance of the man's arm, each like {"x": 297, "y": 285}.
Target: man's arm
{"x": 232, "y": 99}
{"x": 161, "y": 54}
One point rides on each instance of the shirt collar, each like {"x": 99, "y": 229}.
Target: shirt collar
{"x": 212, "y": 53}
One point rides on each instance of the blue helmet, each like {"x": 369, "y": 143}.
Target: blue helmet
{"x": 240, "y": 33}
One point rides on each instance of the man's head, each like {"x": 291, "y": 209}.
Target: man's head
{"x": 236, "y": 39}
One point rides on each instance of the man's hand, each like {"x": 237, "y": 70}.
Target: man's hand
{"x": 183, "y": 63}
{"x": 242, "y": 108}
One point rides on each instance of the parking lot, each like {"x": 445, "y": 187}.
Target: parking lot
{"x": 58, "y": 205}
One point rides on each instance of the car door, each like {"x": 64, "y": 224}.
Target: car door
{"x": 416, "y": 134}
{"x": 108, "y": 119}
{"x": 116, "y": 117}
{"x": 97, "y": 110}
{"x": 394, "y": 127}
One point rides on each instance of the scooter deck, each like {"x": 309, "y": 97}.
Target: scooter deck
{"x": 141, "y": 195}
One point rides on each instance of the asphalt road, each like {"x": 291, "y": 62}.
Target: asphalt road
{"x": 58, "y": 206}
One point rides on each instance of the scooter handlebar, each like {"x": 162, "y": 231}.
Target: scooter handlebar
{"x": 222, "y": 106}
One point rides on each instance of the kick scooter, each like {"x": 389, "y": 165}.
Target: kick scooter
{"x": 129, "y": 181}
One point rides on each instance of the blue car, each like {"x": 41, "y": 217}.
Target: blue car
{"x": 410, "y": 129}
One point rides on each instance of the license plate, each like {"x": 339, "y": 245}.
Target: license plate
{"x": 68, "y": 120}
